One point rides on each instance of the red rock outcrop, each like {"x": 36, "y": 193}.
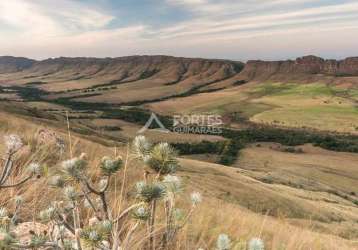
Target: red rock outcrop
{"x": 302, "y": 67}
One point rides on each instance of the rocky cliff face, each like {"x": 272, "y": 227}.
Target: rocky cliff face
{"x": 171, "y": 70}
{"x": 9, "y": 64}
{"x": 133, "y": 67}
{"x": 299, "y": 68}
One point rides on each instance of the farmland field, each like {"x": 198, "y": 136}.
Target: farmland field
{"x": 316, "y": 105}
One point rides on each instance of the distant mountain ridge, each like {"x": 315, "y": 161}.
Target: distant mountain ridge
{"x": 248, "y": 91}
{"x": 307, "y": 65}
{"x": 83, "y": 62}
{"x": 9, "y": 64}
{"x": 253, "y": 69}
{"x": 131, "y": 68}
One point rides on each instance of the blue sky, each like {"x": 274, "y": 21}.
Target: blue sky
{"x": 230, "y": 29}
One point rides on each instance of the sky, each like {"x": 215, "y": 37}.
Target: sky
{"x": 227, "y": 29}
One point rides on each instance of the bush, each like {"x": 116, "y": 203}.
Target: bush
{"x": 105, "y": 228}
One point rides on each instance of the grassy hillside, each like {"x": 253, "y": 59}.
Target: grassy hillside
{"x": 317, "y": 106}
{"x": 170, "y": 85}
{"x": 269, "y": 196}
{"x": 277, "y": 178}
{"x": 122, "y": 80}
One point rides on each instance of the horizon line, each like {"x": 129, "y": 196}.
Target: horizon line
{"x": 172, "y": 56}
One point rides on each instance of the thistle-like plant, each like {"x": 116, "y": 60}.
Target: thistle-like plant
{"x": 195, "y": 198}
{"x": 173, "y": 184}
{"x": 150, "y": 192}
{"x": 256, "y": 244}
{"x": 74, "y": 169}
{"x": 6, "y": 239}
{"x": 70, "y": 193}
{"x": 105, "y": 226}
{"x": 110, "y": 166}
{"x": 35, "y": 168}
{"x": 68, "y": 245}
{"x": 92, "y": 237}
{"x": 96, "y": 233}
{"x": 79, "y": 189}
{"x": 141, "y": 213}
{"x": 4, "y": 220}
{"x": 3, "y": 212}
{"x": 47, "y": 214}
{"x": 223, "y": 242}
{"x": 38, "y": 240}
{"x": 18, "y": 200}
{"x": 141, "y": 147}
{"x": 178, "y": 214}
{"x": 13, "y": 145}
{"x": 85, "y": 197}
{"x": 57, "y": 181}
{"x": 162, "y": 159}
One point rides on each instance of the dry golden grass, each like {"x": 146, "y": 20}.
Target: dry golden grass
{"x": 147, "y": 89}
{"x": 327, "y": 212}
{"x": 45, "y": 106}
{"x": 130, "y": 131}
{"x": 315, "y": 168}
{"x": 226, "y": 192}
{"x": 215, "y": 217}
{"x": 204, "y": 102}
{"x": 315, "y": 105}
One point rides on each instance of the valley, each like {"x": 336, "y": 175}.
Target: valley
{"x": 287, "y": 154}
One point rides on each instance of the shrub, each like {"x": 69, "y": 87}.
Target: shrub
{"x": 87, "y": 217}
{"x": 80, "y": 195}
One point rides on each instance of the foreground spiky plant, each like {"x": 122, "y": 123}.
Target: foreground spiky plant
{"x": 150, "y": 192}
{"x": 13, "y": 145}
{"x": 223, "y": 242}
{"x": 256, "y": 244}
{"x": 87, "y": 217}
{"x": 80, "y": 195}
{"x": 141, "y": 147}
{"x": 162, "y": 159}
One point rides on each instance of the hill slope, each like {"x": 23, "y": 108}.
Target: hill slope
{"x": 307, "y": 68}
{"x": 308, "y": 92}
{"x": 9, "y": 64}
{"x": 297, "y": 217}
{"x": 109, "y": 78}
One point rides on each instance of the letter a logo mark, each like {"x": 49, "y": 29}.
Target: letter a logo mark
{"x": 153, "y": 117}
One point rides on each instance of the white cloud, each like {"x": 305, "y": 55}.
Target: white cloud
{"x": 188, "y": 2}
{"x": 49, "y": 18}
{"x": 332, "y": 15}
{"x": 23, "y": 16}
{"x": 43, "y": 28}
{"x": 226, "y": 7}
